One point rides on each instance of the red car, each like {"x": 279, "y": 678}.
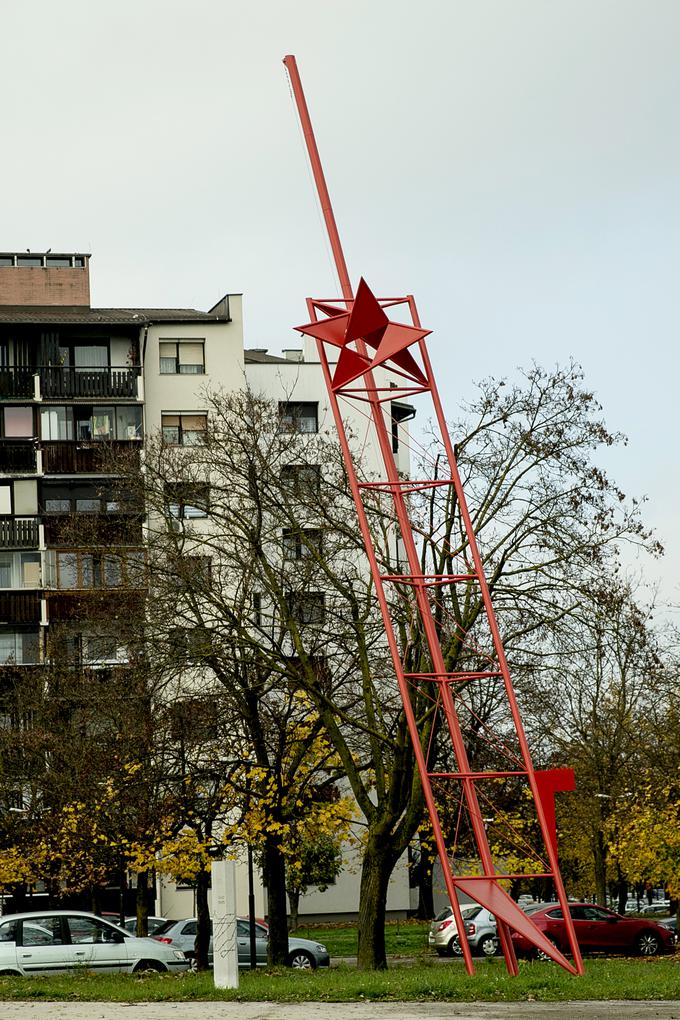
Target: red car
{"x": 597, "y": 930}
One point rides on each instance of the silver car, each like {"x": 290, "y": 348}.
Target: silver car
{"x": 54, "y": 941}
{"x": 303, "y": 954}
{"x": 480, "y": 928}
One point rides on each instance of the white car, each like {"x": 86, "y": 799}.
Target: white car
{"x": 54, "y": 941}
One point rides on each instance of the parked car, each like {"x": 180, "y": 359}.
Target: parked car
{"x": 303, "y": 954}
{"x": 597, "y": 930}
{"x": 657, "y": 907}
{"x": 49, "y": 942}
{"x": 154, "y": 924}
{"x": 671, "y": 923}
{"x": 480, "y": 928}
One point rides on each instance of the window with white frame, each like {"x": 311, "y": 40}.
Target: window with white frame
{"x": 186, "y": 500}
{"x": 182, "y": 357}
{"x": 184, "y": 429}
{"x": 19, "y": 570}
{"x": 299, "y": 416}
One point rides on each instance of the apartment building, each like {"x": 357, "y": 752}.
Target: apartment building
{"x": 76, "y": 380}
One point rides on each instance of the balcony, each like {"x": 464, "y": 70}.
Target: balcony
{"x": 82, "y": 529}
{"x": 57, "y": 383}
{"x": 17, "y": 456}
{"x": 16, "y": 383}
{"x": 18, "y": 533}
{"x": 66, "y": 457}
{"x": 19, "y": 607}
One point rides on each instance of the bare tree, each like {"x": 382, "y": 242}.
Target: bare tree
{"x": 258, "y": 579}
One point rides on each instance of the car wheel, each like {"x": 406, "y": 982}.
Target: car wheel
{"x": 149, "y": 967}
{"x": 9, "y": 973}
{"x": 648, "y": 944}
{"x": 488, "y": 946}
{"x": 540, "y": 955}
{"x": 300, "y": 960}
{"x": 454, "y": 947}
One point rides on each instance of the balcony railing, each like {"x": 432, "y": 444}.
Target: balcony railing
{"x": 64, "y": 381}
{"x": 70, "y": 457}
{"x": 19, "y": 607}
{"x": 16, "y": 456}
{"x": 16, "y": 533}
{"x": 93, "y": 530}
{"x": 16, "y": 382}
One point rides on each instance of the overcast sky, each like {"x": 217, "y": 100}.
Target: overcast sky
{"x": 513, "y": 163}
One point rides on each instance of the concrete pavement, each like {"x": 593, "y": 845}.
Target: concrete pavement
{"x": 340, "y": 1011}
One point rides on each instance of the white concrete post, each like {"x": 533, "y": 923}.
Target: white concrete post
{"x": 225, "y": 954}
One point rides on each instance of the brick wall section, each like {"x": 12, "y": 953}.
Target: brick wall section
{"x": 23, "y": 285}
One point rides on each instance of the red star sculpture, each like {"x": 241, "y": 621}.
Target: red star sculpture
{"x": 367, "y": 322}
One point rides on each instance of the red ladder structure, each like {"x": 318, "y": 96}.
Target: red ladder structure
{"x": 357, "y": 330}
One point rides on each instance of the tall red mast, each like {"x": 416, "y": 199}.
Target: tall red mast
{"x": 357, "y": 327}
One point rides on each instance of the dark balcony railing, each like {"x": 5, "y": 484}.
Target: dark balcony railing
{"x": 19, "y": 607}
{"x": 18, "y": 534}
{"x": 16, "y": 455}
{"x": 70, "y": 457}
{"x": 64, "y": 381}
{"x": 16, "y": 382}
{"x": 93, "y": 530}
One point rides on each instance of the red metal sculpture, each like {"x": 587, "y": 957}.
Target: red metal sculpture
{"x": 358, "y": 327}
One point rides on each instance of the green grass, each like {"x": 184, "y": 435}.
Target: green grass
{"x": 426, "y": 981}
{"x": 402, "y": 938}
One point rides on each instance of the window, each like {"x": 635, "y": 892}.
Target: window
{"x": 182, "y": 357}
{"x": 184, "y": 429}
{"x": 398, "y": 413}
{"x": 89, "y": 930}
{"x": 190, "y": 642}
{"x": 309, "y": 607}
{"x": 19, "y": 570}
{"x": 91, "y": 422}
{"x": 8, "y": 931}
{"x": 66, "y": 498}
{"x": 18, "y": 423}
{"x": 5, "y": 499}
{"x": 298, "y": 545}
{"x": 301, "y": 479}
{"x": 56, "y": 423}
{"x": 79, "y": 570}
{"x": 299, "y": 416}
{"x": 186, "y": 500}
{"x": 42, "y": 931}
{"x": 194, "y": 719}
{"x": 20, "y": 647}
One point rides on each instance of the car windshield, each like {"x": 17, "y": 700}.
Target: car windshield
{"x": 166, "y": 926}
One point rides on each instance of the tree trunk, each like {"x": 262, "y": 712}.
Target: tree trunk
{"x": 202, "y": 942}
{"x": 376, "y": 869}
{"x": 600, "y": 862}
{"x": 294, "y": 903}
{"x": 425, "y": 890}
{"x": 275, "y": 880}
{"x": 142, "y": 903}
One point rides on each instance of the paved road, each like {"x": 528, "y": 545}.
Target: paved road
{"x": 340, "y": 1011}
